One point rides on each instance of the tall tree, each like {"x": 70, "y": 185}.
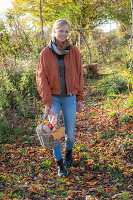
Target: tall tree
{"x": 119, "y": 10}
{"x": 40, "y": 8}
{"x": 83, "y": 15}
{"x": 132, "y": 21}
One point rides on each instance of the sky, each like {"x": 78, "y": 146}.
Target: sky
{"x": 108, "y": 26}
{"x": 5, "y": 4}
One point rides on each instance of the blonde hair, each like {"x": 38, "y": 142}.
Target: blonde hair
{"x": 58, "y": 24}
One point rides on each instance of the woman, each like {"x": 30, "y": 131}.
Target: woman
{"x": 60, "y": 84}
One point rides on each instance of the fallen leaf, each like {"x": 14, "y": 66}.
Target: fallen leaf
{"x": 89, "y": 197}
{"x": 108, "y": 190}
{"x": 32, "y": 190}
{"x": 92, "y": 183}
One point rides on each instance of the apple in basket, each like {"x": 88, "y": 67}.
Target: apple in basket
{"x": 50, "y": 126}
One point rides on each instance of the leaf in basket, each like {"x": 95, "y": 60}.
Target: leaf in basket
{"x": 45, "y": 122}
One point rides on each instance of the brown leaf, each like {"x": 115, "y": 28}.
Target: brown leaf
{"x": 32, "y": 190}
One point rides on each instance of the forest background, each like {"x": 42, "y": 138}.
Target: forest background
{"x": 103, "y": 149}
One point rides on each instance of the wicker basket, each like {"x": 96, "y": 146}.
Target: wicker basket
{"x": 50, "y": 140}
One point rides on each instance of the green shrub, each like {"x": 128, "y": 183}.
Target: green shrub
{"x": 107, "y": 134}
{"x": 10, "y": 96}
{"x": 17, "y": 84}
{"x": 5, "y": 129}
{"x": 113, "y": 85}
{"x": 130, "y": 101}
{"x": 45, "y": 164}
{"x": 125, "y": 118}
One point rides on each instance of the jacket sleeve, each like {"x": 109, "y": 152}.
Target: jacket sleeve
{"x": 42, "y": 82}
{"x": 80, "y": 95}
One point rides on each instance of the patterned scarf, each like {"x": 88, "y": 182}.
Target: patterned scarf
{"x": 60, "y": 48}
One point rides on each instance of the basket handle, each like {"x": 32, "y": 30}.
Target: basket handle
{"x": 44, "y": 117}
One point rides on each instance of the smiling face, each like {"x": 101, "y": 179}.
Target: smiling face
{"x": 61, "y": 33}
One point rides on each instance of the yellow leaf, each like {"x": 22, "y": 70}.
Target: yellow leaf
{"x": 68, "y": 183}
{"x": 92, "y": 183}
{"x": 42, "y": 149}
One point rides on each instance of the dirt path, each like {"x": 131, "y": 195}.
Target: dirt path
{"x": 102, "y": 156}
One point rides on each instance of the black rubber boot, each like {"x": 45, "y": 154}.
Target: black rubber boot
{"x": 61, "y": 170}
{"x": 68, "y": 158}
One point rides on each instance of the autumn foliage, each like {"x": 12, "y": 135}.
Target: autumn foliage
{"x": 102, "y": 154}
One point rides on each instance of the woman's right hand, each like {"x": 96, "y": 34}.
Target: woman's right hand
{"x": 47, "y": 110}
{"x": 79, "y": 106}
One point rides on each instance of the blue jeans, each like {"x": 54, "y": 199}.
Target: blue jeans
{"x": 68, "y": 107}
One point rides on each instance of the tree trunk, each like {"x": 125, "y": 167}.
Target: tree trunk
{"x": 79, "y": 40}
{"x": 132, "y": 21}
{"x": 88, "y": 48}
{"x": 102, "y": 52}
{"x": 42, "y": 32}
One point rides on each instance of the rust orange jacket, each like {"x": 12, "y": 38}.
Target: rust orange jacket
{"x": 48, "y": 79}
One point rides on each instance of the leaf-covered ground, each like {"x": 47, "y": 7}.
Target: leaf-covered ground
{"x": 102, "y": 167}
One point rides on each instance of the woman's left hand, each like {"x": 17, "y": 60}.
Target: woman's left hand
{"x": 79, "y": 106}
{"x": 47, "y": 110}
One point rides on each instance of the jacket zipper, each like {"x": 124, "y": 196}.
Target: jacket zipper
{"x": 58, "y": 70}
{"x": 69, "y": 77}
